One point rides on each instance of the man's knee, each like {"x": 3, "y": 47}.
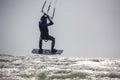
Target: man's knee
{"x": 40, "y": 40}
{"x": 53, "y": 39}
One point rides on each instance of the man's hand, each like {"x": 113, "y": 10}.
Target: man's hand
{"x": 47, "y": 15}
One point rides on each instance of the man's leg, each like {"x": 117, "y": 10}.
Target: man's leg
{"x": 53, "y": 41}
{"x": 40, "y": 46}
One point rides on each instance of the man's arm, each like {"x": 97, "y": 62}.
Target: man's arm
{"x": 50, "y": 21}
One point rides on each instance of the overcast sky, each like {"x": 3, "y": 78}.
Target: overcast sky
{"x": 83, "y": 28}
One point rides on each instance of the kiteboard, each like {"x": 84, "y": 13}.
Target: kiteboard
{"x": 46, "y": 52}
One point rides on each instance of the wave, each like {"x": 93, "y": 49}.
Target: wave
{"x": 40, "y": 67}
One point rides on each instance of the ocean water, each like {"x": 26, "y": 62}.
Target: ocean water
{"x": 56, "y": 67}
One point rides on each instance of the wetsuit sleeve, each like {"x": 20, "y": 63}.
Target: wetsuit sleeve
{"x": 51, "y": 22}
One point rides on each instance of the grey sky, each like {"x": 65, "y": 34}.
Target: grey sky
{"x": 84, "y": 28}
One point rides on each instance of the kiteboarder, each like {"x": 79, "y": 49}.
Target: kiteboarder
{"x": 44, "y": 23}
{"x": 43, "y": 26}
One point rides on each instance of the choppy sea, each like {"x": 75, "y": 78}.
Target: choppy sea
{"x": 56, "y": 67}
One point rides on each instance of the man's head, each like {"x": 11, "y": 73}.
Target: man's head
{"x": 44, "y": 18}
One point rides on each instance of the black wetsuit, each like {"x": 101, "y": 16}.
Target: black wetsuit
{"x": 43, "y": 26}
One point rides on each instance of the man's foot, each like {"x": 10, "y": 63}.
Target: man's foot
{"x": 40, "y": 51}
{"x": 53, "y": 51}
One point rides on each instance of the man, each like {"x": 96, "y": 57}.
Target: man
{"x": 43, "y": 26}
